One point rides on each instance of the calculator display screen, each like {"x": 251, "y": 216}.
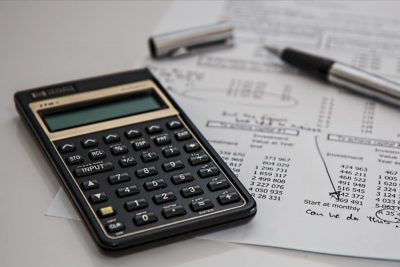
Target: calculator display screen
{"x": 106, "y": 110}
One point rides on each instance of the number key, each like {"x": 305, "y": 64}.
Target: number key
{"x": 164, "y": 198}
{"x": 136, "y": 204}
{"x": 145, "y": 172}
{"x": 142, "y": 219}
{"x": 182, "y": 178}
{"x": 192, "y": 191}
{"x": 155, "y": 184}
{"x": 173, "y": 165}
{"x": 127, "y": 191}
{"x": 119, "y": 178}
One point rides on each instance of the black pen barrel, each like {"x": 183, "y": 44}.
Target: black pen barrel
{"x": 314, "y": 65}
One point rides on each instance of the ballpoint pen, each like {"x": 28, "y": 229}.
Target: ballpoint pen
{"x": 341, "y": 74}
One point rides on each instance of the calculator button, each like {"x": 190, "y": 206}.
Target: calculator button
{"x": 133, "y": 133}
{"x": 75, "y": 159}
{"x": 119, "y": 149}
{"x": 114, "y": 227}
{"x": 173, "y": 211}
{"x": 142, "y": 219}
{"x": 98, "y": 198}
{"x": 218, "y": 184}
{"x": 192, "y": 147}
{"x": 119, "y": 178}
{"x": 127, "y": 191}
{"x": 182, "y": 178}
{"x": 172, "y": 125}
{"x": 162, "y": 140}
{"x": 92, "y": 169}
{"x": 196, "y": 160}
{"x": 145, "y": 172}
{"x": 106, "y": 211}
{"x": 170, "y": 152}
{"x": 127, "y": 161}
{"x": 164, "y": 198}
{"x": 140, "y": 144}
{"x": 183, "y": 135}
{"x": 67, "y": 148}
{"x": 173, "y": 165}
{"x": 136, "y": 204}
{"x": 152, "y": 129}
{"x": 150, "y": 156}
{"x": 89, "y": 142}
{"x": 192, "y": 191}
{"x": 228, "y": 198}
{"x": 155, "y": 184}
{"x": 207, "y": 172}
{"x": 97, "y": 154}
{"x": 201, "y": 205}
{"x": 91, "y": 184}
{"x": 111, "y": 138}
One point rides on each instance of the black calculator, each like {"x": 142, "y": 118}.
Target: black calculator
{"x": 135, "y": 166}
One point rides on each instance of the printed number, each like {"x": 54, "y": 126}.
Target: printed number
{"x": 164, "y": 196}
{"x": 145, "y": 217}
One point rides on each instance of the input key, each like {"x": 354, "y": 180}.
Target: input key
{"x": 94, "y": 168}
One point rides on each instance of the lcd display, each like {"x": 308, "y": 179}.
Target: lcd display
{"x": 107, "y": 110}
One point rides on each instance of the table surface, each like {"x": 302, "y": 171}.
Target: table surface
{"x": 49, "y": 42}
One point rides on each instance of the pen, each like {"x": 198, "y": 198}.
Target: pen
{"x": 341, "y": 74}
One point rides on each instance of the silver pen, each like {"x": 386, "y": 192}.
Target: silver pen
{"x": 341, "y": 74}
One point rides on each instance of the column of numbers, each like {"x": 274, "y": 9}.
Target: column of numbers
{"x": 269, "y": 178}
{"x": 351, "y": 184}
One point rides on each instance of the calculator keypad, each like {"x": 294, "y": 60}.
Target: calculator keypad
{"x": 147, "y": 175}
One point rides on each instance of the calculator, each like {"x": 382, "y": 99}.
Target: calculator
{"x": 133, "y": 163}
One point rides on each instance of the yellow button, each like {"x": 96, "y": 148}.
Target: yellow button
{"x": 106, "y": 211}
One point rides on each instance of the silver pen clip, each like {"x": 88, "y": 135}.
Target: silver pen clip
{"x": 190, "y": 40}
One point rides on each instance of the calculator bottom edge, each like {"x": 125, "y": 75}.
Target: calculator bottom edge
{"x": 112, "y": 247}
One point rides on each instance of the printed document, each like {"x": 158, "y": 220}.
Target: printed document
{"x": 322, "y": 163}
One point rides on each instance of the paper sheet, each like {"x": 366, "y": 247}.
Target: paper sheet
{"x": 322, "y": 163}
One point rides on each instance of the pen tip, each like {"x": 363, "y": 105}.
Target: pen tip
{"x": 273, "y": 50}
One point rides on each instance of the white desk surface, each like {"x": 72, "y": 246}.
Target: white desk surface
{"x": 48, "y": 42}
